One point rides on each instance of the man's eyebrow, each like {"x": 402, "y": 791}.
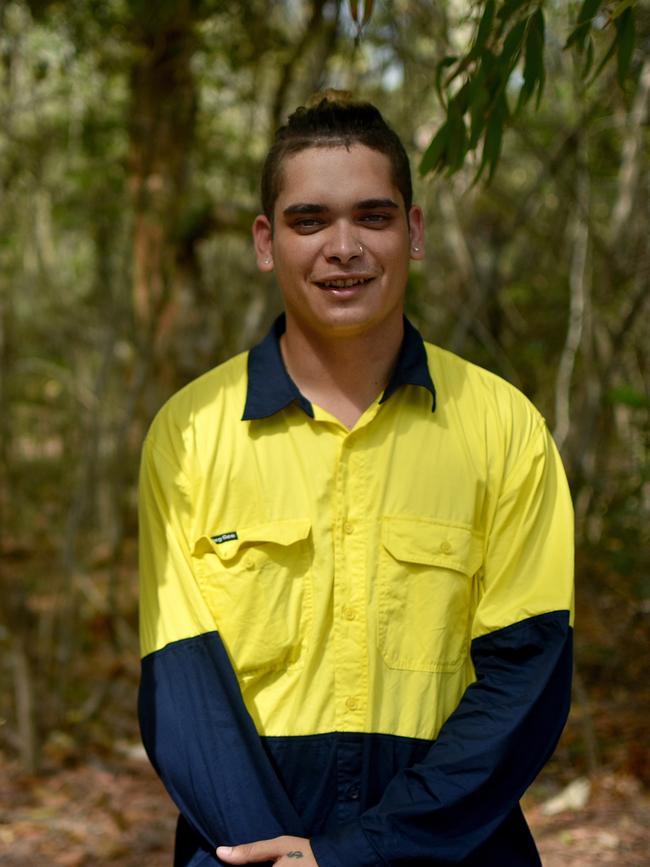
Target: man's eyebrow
{"x": 371, "y": 204}
{"x": 305, "y": 208}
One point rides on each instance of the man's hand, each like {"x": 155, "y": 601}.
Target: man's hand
{"x": 282, "y": 851}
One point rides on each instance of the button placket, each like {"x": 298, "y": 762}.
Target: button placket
{"x": 349, "y": 623}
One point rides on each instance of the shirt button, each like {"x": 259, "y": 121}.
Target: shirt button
{"x": 445, "y": 547}
{"x": 353, "y": 793}
{"x": 348, "y": 528}
{"x": 349, "y": 613}
{"x": 352, "y": 703}
{"x": 249, "y": 563}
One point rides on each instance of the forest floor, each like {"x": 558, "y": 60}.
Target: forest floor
{"x": 113, "y": 811}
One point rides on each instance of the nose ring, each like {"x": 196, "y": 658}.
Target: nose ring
{"x": 361, "y": 249}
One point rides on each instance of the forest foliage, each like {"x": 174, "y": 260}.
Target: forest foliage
{"x": 131, "y": 137}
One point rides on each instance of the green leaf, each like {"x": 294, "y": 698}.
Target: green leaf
{"x": 509, "y": 8}
{"x": 462, "y": 99}
{"x": 588, "y": 11}
{"x": 441, "y": 66}
{"x": 625, "y": 32}
{"x": 497, "y": 72}
{"x": 457, "y": 138}
{"x": 493, "y": 139}
{"x": 513, "y": 44}
{"x": 367, "y": 12}
{"x": 434, "y": 154}
{"x": 603, "y": 63}
{"x": 586, "y": 15}
{"x": 484, "y": 28}
{"x": 492, "y": 147}
{"x": 534, "y": 60}
{"x": 622, "y": 6}
{"x": 479, "y": 99}
{"x": 506, "y": 12}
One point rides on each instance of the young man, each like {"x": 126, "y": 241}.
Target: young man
{"x": 356, "y": 555}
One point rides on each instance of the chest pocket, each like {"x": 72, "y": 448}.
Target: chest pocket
{"x": 258, "y": 588}
{"x": 425, "y": 592}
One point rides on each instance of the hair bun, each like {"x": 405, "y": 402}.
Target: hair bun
{"x": 330, "y": 94}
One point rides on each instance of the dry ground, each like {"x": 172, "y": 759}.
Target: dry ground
{"x": 114, "y": 812}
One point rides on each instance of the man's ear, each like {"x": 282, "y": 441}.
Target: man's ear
{"x": 416, "y": 232}
{"x": 263, "y": 241}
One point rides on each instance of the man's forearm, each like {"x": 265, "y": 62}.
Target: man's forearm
{"x": 204, "y": 746}
{"x": 449, "y": 806}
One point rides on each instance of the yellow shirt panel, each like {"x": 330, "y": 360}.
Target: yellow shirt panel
{"x": 348, "y": 571}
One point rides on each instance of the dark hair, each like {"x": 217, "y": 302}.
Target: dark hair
{"x": 333, "y": 119}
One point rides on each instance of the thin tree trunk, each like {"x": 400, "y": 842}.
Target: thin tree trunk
{"x": 630, "y": 169}
{"x": 579, "y": 288}
{"x": 24, "y": 698}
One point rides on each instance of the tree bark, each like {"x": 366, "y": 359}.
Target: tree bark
{"x": 161, "y": 132}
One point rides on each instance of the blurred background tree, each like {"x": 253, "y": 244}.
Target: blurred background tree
{"x": 131, "y": 138}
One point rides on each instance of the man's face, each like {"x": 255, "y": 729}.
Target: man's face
{"x": 340, "y": 243}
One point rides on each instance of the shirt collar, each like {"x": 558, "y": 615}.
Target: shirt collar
{"x": 270, "y": 388}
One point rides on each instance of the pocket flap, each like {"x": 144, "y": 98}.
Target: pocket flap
{"x": 227, "y": 544}
{"x": 432, "y": 543}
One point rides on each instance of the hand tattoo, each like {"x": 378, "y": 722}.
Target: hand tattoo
{"x": 295, "y": 854}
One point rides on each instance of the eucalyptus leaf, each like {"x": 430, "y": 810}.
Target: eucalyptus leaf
{"x": 586, "y": 15}
{"x": 625, "y": 31}
{"x": 510, "y": 7}
{"x": 620, "y": 8}
{"x": 514, "y": 43}
{"x": 484, "y": 27}
{"x": 434, "y": 154}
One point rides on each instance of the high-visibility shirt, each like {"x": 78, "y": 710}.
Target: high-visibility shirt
{"x": 361, "y": 636}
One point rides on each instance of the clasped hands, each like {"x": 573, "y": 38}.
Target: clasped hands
{"x": 281, "y": 851}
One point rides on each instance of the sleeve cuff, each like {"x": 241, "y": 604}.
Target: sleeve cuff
{"x": 348, "y": 846}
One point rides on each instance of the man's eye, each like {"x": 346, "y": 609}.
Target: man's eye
{"x": 378, "y": 219}
{"x": 307, "y": 224}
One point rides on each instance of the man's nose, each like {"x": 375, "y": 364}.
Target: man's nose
{"x": 342, "y": 243}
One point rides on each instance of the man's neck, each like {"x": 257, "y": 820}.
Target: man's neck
{"x": 342, "y": 375}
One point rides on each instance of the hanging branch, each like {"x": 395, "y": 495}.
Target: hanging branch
{"x": 509, "y": 37}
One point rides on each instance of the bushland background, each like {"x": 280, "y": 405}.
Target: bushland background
{"x": 131, "y": 135}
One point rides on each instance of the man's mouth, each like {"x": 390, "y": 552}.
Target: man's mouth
{"x": 343, "y": 284}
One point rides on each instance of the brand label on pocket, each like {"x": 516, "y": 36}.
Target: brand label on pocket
{"x": 224, "y": 537}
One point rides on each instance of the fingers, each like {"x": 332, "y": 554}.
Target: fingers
{"x": 277, "y": 850}
{"x": 251, "y": 853}
{"x": 235, "y": 854}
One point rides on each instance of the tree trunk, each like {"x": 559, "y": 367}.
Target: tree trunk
{"x": 161, "y": 130}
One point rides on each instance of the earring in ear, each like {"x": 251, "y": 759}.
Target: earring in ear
{"x": 416, "y": 249}
{"x": 267, "y": 261}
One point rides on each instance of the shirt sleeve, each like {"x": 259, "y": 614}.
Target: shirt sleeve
{"x": 450, "y": 806}
{"x": 194, "y": 724}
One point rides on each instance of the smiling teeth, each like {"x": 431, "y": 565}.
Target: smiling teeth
{"x": 342, "y": 284}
